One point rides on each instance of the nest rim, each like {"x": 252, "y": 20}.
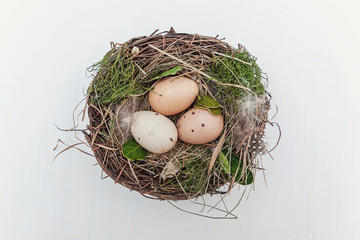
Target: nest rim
{"x": 100, "y": 153}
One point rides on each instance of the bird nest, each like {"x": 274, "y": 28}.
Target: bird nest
{"x": 230, "y": 76}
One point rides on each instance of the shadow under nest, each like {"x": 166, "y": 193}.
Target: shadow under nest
{"x": 122, "y": 80}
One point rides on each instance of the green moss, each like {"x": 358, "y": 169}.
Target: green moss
{"x": 193, "y": 175}
{"x": 196, "y": 172}
{"x": 117, "y": 79}
{"x": 230, "y": 70}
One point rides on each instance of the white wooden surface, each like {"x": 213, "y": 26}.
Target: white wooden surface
{"x": 310, "y": 50}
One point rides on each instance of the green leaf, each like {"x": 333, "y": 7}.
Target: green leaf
{"x": 207, "y": 101}
{"x": 197, "y": 105}
{"x": 247, "y": 179}
{"x": 224, "y": 162}
{"x": 169, "y": 72}
{"x": 213, "y": 111}
{"x": 133, "y": 151}
{"x": 232, "y": 163}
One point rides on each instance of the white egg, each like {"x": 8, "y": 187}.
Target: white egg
{"x": 153, "y": 131}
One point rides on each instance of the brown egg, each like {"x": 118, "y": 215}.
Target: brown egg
{"x": 172, "y": 95}
{"x": 199, "y": 126}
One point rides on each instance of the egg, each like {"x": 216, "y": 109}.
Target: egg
{"x": 199, "y": 126}
{"x": 153, "y": 131}
{"x": 173, "y": 95}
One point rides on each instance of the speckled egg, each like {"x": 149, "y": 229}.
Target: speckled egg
{"x": 199, "y": 126}
{"x": 153, "y": 131}
{"x": 173, "y": 95}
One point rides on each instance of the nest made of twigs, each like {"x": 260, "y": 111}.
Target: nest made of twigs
{"x": 122, "y": 80}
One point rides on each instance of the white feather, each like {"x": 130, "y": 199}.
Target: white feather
{"x": 125, "y": 114}
{"x": 249, "y": 114}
